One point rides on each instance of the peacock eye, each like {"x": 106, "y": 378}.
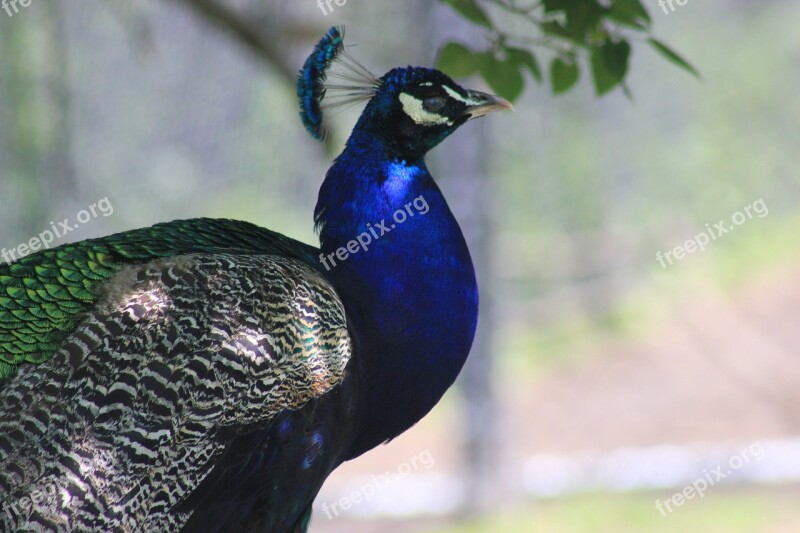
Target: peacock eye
{"x": 433, "y": 104}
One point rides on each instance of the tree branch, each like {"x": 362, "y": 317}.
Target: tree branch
{"x": 236, "y": 26}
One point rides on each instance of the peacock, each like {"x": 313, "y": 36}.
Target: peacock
{"x": 210, "y": 374}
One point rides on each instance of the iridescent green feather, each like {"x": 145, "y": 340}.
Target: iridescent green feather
{"x": 43, "y": 295}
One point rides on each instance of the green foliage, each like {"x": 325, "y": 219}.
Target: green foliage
{"x": 503, "y": 75}
{"x": 563, "y": 74}
{"x": 571, "y": 30}
{"x": 458, "y": 59}
{"x": 667, "y": 52}
{"x": 609, "y": 65}
{"x": 470, "y": 10}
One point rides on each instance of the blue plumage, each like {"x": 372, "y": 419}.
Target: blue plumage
{"x": 412, "y": 298}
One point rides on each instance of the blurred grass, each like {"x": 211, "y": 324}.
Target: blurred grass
{"x": 728, "y": 510}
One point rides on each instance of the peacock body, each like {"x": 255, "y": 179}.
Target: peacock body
{"x": 208, "y": 375}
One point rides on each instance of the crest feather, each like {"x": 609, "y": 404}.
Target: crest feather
{"x": 352, "y": 84}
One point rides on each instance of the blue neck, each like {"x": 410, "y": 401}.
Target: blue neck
{"x": 410, "y": 291}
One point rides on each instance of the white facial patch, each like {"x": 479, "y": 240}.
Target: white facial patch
{"x": 413, "y": 108}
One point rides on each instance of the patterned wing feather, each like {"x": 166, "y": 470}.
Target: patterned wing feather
{"x": 177, "y": 357}
{"x": 43, "y": 295}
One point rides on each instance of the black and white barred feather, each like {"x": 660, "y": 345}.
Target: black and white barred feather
{"x": 127, "y": 419}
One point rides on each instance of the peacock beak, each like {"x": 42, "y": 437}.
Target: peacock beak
{"x": 479, "y": 104}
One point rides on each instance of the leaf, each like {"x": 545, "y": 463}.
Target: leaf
{"x": 563, "y": 75}
{"x": 583, "y": 18}
{"x": 609, "y": 65}
{"x": 673, "y": 57}
{"x": 579, "y": 20}
{"x": 555, "y": 28}
{"x": 630, "y": 12}
{"x": 503, "y": 77}
{"x": 457, "y": 60}
{"x": 524, "y": 58}
{"x": 556, "y": 5}
{"x": 471, "y": 11}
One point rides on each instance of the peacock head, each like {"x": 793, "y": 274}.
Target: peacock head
{"x": 410, "y": 110}
{"x": 415, "y": 108}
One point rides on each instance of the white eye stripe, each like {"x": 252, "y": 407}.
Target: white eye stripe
{"x": 456, "y": 96}
{"x": 414, "y": 109}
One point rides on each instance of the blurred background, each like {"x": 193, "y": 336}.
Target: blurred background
{"x": 623, "y": 379}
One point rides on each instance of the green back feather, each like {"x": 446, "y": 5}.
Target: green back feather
{"x": 43, "y": 295}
